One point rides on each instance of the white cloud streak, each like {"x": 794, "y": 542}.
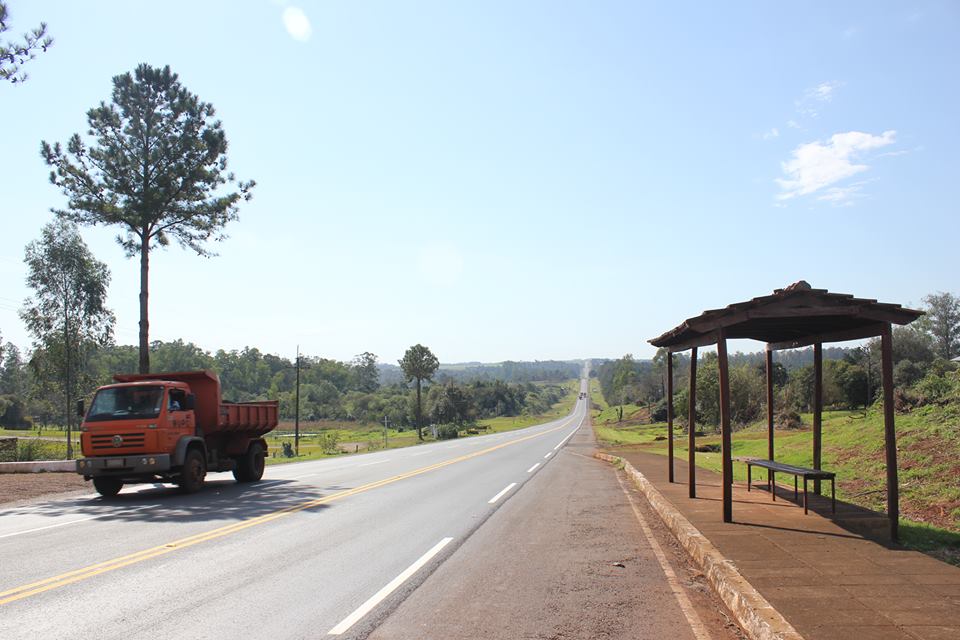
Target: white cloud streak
{"x": 297, "y": 24}
{"x": 818, "y": 165}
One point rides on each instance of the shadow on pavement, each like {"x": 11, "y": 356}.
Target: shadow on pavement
{"x": 220, "y": 500}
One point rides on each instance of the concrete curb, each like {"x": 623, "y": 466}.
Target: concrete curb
{"x": 38, "y": 466}
{"x": 757, "y": 617}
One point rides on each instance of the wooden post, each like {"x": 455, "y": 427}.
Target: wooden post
{"x": 692, "y": 428}
{"x": 890, "y": 435}
{"x": 817, "y": 410}
{"x": 769, "y": 404}
{"x": 670, "y": 411}
{"x": 725, "y": 425}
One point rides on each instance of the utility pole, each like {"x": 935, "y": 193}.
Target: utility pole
{"x": 384, "y": 432}
{"x": 296, "y": 414}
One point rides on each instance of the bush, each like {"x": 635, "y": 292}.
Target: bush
{"x": 329, "y": 441}
{"x": 789, "y": 420}
{"x": 447, "y": 432}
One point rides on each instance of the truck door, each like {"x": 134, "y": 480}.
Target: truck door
{"x": 180, "y": 421}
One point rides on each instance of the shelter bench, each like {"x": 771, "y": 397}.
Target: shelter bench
{"x": 774, "y": 467}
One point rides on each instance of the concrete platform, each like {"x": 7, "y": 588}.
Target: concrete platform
{"x": 831, "y": 578}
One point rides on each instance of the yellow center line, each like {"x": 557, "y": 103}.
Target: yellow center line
{"x": 63, "y": 579}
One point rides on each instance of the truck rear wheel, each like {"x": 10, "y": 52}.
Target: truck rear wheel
{"x": 193, "y": 472}
{"x": 107, "y": 487}
{"x": 250, "y": 465}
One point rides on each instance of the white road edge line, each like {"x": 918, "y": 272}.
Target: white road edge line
{"x": 531, "y": 469}
{"x": 549, "y": 453}
{"x": 391, "y": 586}
{"x": 500, "y": 495}
{"x": 696, "y": 625}
{"x": 368, "y": 464}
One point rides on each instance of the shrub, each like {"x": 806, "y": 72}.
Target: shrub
{"x": 447, "y": 432}
{"x": 789, "y": 420}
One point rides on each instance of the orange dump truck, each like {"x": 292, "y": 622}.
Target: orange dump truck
{"x": 171, "y": 427}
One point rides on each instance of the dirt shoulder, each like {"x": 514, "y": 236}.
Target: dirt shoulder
{"x": 15, "y": 487}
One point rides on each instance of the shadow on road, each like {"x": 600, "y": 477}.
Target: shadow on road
{"x": 220, "y": 500}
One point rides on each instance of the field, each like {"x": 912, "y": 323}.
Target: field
{"x": 331, "y": 439}
{"x": 928, "y": 460}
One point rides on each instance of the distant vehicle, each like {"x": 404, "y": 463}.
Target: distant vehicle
{"x": 171, "y": 427}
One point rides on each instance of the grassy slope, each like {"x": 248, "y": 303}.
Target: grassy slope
{"x": 929, "y": 462}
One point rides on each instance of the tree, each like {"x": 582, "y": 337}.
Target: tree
{"x": 365, "y": 372}
{"x": 68, "y": 313}
{"x": 156, "y": 169}
{"x": 943, "y": 311}
{"x": 14, "y": 54}
{"x": 419, "y": 364}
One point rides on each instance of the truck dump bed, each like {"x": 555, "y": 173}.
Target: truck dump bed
{"x": 214, "y": 415}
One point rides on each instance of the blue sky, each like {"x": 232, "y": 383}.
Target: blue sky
{"x": 515, "y": 180}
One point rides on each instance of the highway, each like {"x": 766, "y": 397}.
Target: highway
{"x": 312, "y": 548}
{"x": 325, "y": 548}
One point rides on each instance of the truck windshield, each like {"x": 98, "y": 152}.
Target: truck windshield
{"x": 122, "y": 403}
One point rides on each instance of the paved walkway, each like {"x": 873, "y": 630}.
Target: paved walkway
{"x": 828, "y": 581}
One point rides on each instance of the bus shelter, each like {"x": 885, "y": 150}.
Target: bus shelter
{"x": 793, "y": 317}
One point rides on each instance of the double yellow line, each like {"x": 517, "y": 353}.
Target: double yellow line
{"x": 63, "y": 579}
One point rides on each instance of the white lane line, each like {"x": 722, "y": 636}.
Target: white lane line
{"x": 260, "y": 485}
{"x": 49, "y": 526}
{"x": 391, "y": 586}
{"x": 373, "y": 463}
{"x": 696, "y": 625}
{"x": 549, "y": 453}
{"x": 562, "y": 442}
{"x": 500, "y": 495}
{"x": 531, "y": 469}
{"x": 422, "y": 453}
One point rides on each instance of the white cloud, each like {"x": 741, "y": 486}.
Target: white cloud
{"x": 793, "y": 124}
{"x": 771, "y": 134}
{"x": 817, "y": 165}
{"x": 297, "y": 24}
{"x": 809, "y": 105}
{"x": 823, "y": 92}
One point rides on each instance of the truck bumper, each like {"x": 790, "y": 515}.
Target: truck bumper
{"x": 124, "y": 465}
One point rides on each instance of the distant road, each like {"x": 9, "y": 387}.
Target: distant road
{"x": 318, "y": 549}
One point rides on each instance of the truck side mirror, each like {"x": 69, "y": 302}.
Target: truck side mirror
{"x": 81, "y": 410}
{"x": 190, "y": 402}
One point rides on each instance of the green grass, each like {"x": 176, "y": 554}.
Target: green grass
{"x": 596, "y": 396}
{"x": 365, "y": 438}
{"x": 928, "y": 463}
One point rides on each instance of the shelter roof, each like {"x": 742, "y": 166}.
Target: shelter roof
{"x": 795, "y": 316}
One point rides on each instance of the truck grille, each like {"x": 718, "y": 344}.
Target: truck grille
{"x": 104, "y": 441}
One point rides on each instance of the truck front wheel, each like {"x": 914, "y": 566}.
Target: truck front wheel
{"x": 107, "y": 487}
{"x": 250, "y": 465}
{"x": 194, "y": 471}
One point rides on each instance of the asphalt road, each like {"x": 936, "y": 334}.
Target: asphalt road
{"x": 316, "y": 549}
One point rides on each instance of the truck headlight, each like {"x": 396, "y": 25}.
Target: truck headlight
{"x": 143, "y": 461}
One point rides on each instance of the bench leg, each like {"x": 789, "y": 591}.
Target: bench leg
{"x": 773, "y": 485}
{"x": 748, "y": 477}
{"x": 804, "y": 495}
{"x": 794, "y": 487}
{"x": 833, "y": 494}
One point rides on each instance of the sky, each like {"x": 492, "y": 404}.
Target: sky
{"x": 514, "y": 180}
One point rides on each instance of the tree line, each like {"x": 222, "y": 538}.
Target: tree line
{"x": 924, "y": 372}
{"x": 329, "y": 389}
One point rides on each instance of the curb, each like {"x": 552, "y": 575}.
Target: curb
{"x": 38, "y": 466}
{"x": 757, "y": 617}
